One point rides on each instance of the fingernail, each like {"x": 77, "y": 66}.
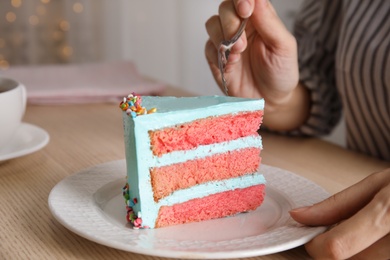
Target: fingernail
{"x": 301, "y": 209}
{"x": 244, "y": 9}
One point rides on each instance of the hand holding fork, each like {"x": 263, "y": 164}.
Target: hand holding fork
{"x": 224, "y": 51}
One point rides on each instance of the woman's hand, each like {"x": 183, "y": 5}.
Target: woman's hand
{"x": 363, "y": 214}
{"x": 263, "y": 63}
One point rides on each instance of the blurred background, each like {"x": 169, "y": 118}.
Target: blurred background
{"x": 164, "y": 39}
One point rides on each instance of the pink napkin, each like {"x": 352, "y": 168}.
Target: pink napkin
{"x": 82, "y": 83}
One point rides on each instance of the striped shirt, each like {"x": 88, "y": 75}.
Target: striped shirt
{"x": 344, "y": 59}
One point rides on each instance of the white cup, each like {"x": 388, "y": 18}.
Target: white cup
{"x": 13, "y": 98}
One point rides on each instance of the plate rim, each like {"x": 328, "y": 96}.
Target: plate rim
{"x": 175, "y": 253}
{"x": 27, "y": 128}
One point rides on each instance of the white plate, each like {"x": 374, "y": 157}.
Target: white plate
{"x": 90, "y": 204}
{"x": 27, "y": 139}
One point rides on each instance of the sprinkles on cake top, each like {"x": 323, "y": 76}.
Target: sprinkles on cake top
{"x": 132, "y": 104}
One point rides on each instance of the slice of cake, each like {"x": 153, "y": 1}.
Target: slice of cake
{"x": 191, "y": 159}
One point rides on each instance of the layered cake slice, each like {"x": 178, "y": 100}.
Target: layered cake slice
{"x": 191, "y": 159}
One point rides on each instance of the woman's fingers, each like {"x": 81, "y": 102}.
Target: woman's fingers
{"x": 357, "y": 233}
{"x": 244, "y": 8}
{"x": 229, "y": 19}
{"x": 214, "y": 30}
{"x": 219, "y": 28}
{"x": 263, "y": 62}
{"x": 263, "y": 18}
{"x": 343, "y": 204}
{"x": 271, "y": 29}
{"x": 230, "y": 22}
{"x": 212, "y": 60}
{"x": 364, "y": 210}
{"x": 211, "y": 53}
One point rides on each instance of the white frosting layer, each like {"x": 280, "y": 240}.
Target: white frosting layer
{"x": 170, "y": 112}
{"x": 205, "y": 150}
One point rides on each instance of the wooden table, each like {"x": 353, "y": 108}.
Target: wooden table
{"x": 87, "y": 135}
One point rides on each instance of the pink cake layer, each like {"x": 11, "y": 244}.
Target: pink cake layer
{"x": 168, "y": 179}
{"x": 205, "y": 131}
{"x": 214, "y": 206}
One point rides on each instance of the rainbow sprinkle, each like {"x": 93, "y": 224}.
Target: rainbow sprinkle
{"x": 132, "y": 104}
{"x": 131, "y": 217}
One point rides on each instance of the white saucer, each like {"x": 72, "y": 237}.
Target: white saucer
{"x": 90, "y": 203}
{"x": 27, "y": 139}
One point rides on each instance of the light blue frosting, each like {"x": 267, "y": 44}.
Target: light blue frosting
{"x": 172, "y": 111}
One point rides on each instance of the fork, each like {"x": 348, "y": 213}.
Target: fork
{"x": 224, "y": 51}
